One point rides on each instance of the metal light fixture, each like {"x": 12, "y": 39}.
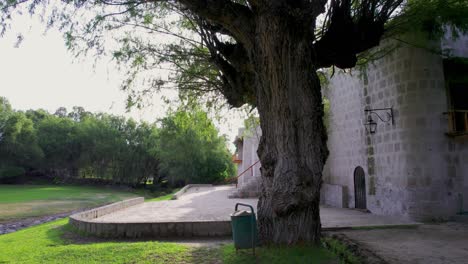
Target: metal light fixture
{"x": 371, "y": 125}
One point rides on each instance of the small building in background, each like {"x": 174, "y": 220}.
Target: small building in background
{"x": 248, "y": 164}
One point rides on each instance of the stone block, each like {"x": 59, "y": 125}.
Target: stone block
{"x": 109, "y": 229}
{"x": 179, "y": 229}
{"x": 155, "y": 230}
{"x": 121, "y": 230}
{"x": 412, "y": 181}
{"x": 163, "y": 230}
{"x": 171, "y": 230}
{"x": 100, "y": 230}
{"x": 188, "y": 229}
{"x": 201, "y": 229}
{"x": 129, "y": 231}
{"x": 223, "y": 228}
{"x": 93, "y": 228}
{"x": 142, "y": 229}
{"x": 334, "y": 195}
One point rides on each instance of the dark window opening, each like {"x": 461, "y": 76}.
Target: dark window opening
{"x": 456, "y": 75}
{"x": 459, "y": 107}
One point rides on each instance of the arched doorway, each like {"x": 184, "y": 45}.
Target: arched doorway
{"x": 360, "y": 188}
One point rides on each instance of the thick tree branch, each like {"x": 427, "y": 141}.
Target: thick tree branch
{"x": 233, "y": 17}
{"x": 233, "y": 62}
{"x": 238, "y": 86}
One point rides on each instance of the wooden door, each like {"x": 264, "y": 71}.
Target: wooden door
{"x": 360, "y": 188}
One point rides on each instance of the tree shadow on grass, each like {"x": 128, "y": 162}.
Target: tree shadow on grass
{"x": 227, "y": 254}
{"x": 206, "y": 250}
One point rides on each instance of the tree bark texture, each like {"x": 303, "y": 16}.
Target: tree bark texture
{"x": 293, "y": 148}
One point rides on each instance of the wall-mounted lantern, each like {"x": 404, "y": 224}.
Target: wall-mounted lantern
{"x": 371, "y": 125}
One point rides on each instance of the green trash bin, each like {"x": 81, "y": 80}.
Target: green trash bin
{"x": 244, "y": 228}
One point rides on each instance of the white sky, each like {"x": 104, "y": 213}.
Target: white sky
{"x": 41, "y": 73}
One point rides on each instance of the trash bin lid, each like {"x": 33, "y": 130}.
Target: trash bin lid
{"x": 241, "y": 213}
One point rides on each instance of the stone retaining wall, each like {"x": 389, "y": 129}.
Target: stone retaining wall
{"x": 185, "y": 189}
{"x": 100, "y": 211}
{"x": 84, "y": 222}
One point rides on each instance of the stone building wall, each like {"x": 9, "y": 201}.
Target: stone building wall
{"x": 249, "y": 155}
{"x": 456, "y": 157}
{"x": 248, "y": 185}
{"x": 411, "y": 168}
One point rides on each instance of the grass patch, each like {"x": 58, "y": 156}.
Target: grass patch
{"x": 341, "y": 250}
{"x": 29, "y": 193}
{"x": 165, "y": 197}
{"x": 22, "y": 201}
{"x": 272, "y": 255}
{"x": 45, "y": 244}
{"x": 48, "y": 243}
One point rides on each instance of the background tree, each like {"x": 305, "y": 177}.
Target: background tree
{"x": 19, "y": 149}
{"x": 83, "y": 147}
{"x": 191, "y": 150}
{"x": 57, "y": 138}
{"x": 262, "y": 53}
{"x": 5, "y": 111}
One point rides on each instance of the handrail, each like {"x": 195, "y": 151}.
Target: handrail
{"x": 249, "y": 168}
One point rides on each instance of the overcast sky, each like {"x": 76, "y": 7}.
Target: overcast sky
{"x": 41, "y": 73}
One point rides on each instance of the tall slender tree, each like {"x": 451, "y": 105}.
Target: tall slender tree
{"x": 265, "y": 53}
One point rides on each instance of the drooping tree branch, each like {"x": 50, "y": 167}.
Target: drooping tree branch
{"x": 232, "y": 60}
{"x": 352, "y": 26}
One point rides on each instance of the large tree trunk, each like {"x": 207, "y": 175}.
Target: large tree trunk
{"x": 293, "y": 148}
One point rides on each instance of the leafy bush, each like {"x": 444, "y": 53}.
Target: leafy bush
{"x": 11, "y": 172}
{"x": 191, "y": 150}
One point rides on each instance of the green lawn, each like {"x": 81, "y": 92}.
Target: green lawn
{"x": 20, "y": 201}
{"x": 47, "y": 243}
{"x": 163, "y": 197}
{"x": 51, "y": 243}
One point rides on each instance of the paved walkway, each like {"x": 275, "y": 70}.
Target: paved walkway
{"x": 445, "y": 243}
{"x": 211, "y": 204}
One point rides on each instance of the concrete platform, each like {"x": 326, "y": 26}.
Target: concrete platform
{"x": 205, "y": 211}
{"x": 196, "y": 204}
{"x": 444, "y": 243}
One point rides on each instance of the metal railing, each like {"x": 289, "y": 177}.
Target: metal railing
{"x": 246, "y": 170}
